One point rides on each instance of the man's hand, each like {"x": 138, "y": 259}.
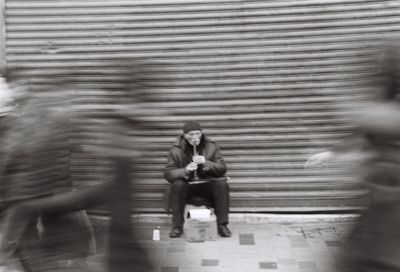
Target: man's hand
{"x": 191, "y": 167}
{"x": 199, "y": 159}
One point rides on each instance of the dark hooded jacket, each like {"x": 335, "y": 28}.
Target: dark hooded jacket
{"x": 181, "y": 154}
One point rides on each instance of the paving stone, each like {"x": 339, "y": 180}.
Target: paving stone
{"x": 291, "y": 268}
{"x": 317, "y": 245}
{"x": 308, "y": 266}
{"x": 268, "y": 265}
{"x": 176, "y": 247}
{"x": 287, "y": 261}
{"x": 303, "y": 255}
{"x": 333, "y": 243}
{"x": 209, "y": 262}
{"x": 169, "y": 269}
{"x": 257, "y": 247}
{"x": 249, "y": 266}
{"x": 189, "y": 263}
{"x": 299, "y": 244}
{"x": 297, "y": 238}
{"x": 246, "y": 239}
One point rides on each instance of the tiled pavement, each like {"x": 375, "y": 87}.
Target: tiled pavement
{"x": 281, "y": 243}
{"x": 286, "y": 243}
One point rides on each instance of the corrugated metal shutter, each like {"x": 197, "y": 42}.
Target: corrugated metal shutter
{"x": 267, "y": 79}
{"x": 2, "y": 36}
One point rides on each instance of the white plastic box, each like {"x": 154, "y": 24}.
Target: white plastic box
{"x": 200, "y": 224}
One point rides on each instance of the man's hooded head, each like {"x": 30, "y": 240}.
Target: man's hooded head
{"x": 192, "y": 132}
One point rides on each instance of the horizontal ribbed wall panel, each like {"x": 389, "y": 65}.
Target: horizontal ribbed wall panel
{"x": 271, "y": 82}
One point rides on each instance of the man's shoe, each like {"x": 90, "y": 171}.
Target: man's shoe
{"x": 176, "y": 232}
{"x": 224, "y": 231}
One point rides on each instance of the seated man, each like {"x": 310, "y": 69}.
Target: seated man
{"x": 195, "y": 167}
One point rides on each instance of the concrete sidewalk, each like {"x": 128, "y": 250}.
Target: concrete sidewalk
{"x": 259, "y": 242}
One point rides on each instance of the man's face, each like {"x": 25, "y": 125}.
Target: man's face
{"x": 193, "y": 137}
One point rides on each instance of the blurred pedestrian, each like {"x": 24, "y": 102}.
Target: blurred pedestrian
{"x": 35, "y": 164}
{"x": 373, "y": 244}
{"x": 45, "y": 225}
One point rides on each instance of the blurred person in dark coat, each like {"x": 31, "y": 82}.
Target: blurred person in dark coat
{"x": 35, "y": 165}
{"x": 45, "y": 226}
{"x": 373, "y": 244}
{"x": 196, "y": 167}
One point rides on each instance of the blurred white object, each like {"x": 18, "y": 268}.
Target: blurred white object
{"x": 319, "y": 159}
{"x": 6, "y": 269}
{"x": 6, "y": 97}
{"x": 199, "y": 213}
{"x": 156, "y": 235}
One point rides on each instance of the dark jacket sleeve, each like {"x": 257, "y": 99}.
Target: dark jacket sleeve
{"x": 173, "y": 170}
{"x": 216, "y": 167}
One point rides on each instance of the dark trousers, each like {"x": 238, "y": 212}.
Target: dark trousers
{"x": 216, "y": 191}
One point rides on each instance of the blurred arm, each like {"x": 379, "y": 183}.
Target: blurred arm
{"x": 380, "y": 119}
{"x": 69, "y": 201}
{"x": 353, "y": 142}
